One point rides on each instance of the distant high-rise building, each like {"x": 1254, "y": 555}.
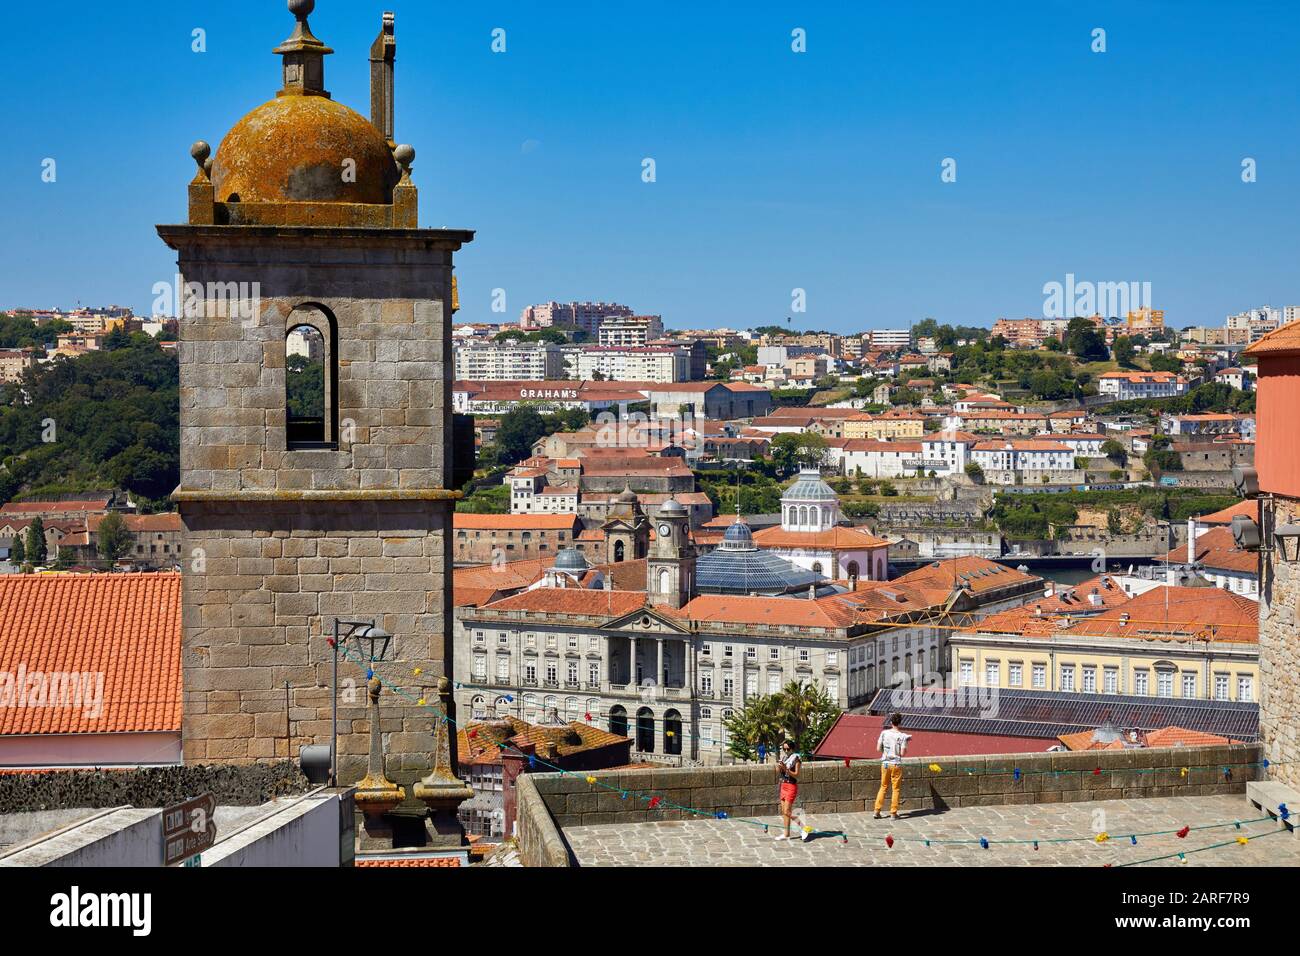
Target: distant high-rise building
{"x": 891, "y": 339}
{"x": 586, "y": 316}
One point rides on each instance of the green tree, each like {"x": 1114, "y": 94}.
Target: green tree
{"x": 1165, "y": 363}
{"x": 519, "y": 430}
{"x": 1086, "y": 341}
{"x": 65, "y": 559}
{"x": 802, "y": 712}
{"x": 1124, "y": 351}
{"x": 792, "y": 450}
{"x": 17, "y": 553}
{"x": 36, "y": 541}
{"x": 974, "y": 472}
{"x": 1114, "y": 451}
{"x": 112, "y": 540}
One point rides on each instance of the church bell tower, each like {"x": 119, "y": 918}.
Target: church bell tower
{"x": 316, "y": 429}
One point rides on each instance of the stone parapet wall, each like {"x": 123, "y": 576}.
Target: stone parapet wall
{"x": 243, "y": 786}
{"x": 550, "y": 802}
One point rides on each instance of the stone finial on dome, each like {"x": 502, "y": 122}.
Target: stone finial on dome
{"x": 200, "y": 152}
{"x": 304, "y": 55}
{"x": 405, "y": 157}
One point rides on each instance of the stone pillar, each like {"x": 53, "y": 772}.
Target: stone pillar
{"x": 1279, "y": 655}
{"x": 659, "y": 663}
{"x": 631, "y": 641}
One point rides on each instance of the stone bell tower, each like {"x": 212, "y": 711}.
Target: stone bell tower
{"x": 670, "y": 567}
{"x": 316, "y": 427}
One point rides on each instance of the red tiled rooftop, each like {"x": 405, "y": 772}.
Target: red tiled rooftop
{"x": 125, "y": 626}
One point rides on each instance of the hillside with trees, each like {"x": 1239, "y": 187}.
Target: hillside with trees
{"x": 103, "y": 420}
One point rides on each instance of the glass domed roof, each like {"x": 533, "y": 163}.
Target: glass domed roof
{"x": 809, "y": 487}
{"x": 738, "y": 566}
{"x": 571, "y": 559}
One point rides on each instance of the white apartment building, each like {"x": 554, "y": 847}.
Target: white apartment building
{"x": 874, "y": 458}
{"x": 1083, "y": 444}
{"x": 1023, "y": 455}
{"x": 509, "y": 362}
{"x": 645, "y": 364}
{"x": 1127, "y": 386}
{"x": 890, "y": 340}
{"x": 630, "y": 331}
{"x": 586, "y": 316}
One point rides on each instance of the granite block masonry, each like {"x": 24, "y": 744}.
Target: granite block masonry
{"x": 305, "y": 225}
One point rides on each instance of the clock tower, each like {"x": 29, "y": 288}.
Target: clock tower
{"x": 670, "y": 568}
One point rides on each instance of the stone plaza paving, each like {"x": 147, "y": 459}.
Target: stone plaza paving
{"x": 709, "y": 842}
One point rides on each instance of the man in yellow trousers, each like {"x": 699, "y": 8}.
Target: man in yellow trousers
{"x": 892, "y": 745}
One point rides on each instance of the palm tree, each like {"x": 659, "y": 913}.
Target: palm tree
{"x": 802, "y": 712}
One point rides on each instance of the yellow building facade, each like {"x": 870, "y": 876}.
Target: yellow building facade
{"x": 1077, "y": 663}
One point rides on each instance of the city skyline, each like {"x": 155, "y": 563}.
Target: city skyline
{"x": 775, "y": 170}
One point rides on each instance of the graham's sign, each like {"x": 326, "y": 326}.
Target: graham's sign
{"x": 570, "y": 394}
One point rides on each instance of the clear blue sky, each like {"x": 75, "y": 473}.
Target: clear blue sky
{"x": 775, "y": 170}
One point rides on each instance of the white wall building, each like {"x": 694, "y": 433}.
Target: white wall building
{"x": 1129, "y": 386}
{"x": 630, "y": 331}
{"x": 512, "y": 362}
{"x": 1023, "y": 455}
{"x": 645, "y": 364}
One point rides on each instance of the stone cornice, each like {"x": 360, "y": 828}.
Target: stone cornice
{"x": 183, "y": 495}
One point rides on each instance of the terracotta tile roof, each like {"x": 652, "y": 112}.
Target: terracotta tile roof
{"x": 975, "y": 574}
{"x": 161, "y": 523}
{"x": 1165, "y": 737}
{"x": 124, "y": 626}
{"x": 1280, "y": 341}
{"x": 573, "y": 601}
{"x": 1172, "y": 613}
{"x": 1021, "y": 444}
{"x": 1029, "y": 620}
{"x": 1248, "y": 508}
{"x": 1216, "y": 549}
{"x": 779, "y": 611}
{"x": 834, "y": 539}
{"x": 464, "y": 521}
{"x": 14, "y": 508}
{"x": 444, "y": 862}
{"x": 879, "y": 445}
{"x": 479, "y": 743}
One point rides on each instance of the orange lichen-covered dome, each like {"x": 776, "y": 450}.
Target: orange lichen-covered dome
{"x": 304, "y": 149}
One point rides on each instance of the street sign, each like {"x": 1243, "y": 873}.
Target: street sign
{"x": 188, "y": 829}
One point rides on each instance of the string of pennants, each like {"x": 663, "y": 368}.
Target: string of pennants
{"x": 656, "y": 801}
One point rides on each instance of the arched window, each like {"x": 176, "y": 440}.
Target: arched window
{"x": 618, "y": 551}
{"x": 853, "y": 570}
{"x": 311, "y": 379}
{"x": 645, "y": 730}
{"x": 479, "y": 707}
{"x": 665, "y": 581}
{"x": 618, "y": 721}
{"x": 502, "y": 706}
{"x": 672, "y": 732}
{"x": 570, "y": 708}
{"x": 803, "y": 516}
{"x": 817, "y": 568}
{"x": 816, "y": 517}
{"x": 530, "y": 706}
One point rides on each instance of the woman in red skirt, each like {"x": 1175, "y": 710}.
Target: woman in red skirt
{"x": 787, "y": 769}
